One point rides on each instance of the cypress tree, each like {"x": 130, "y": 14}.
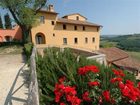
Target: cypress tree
{"x": 1, "y": 24}
{"x": 8, "y": 24}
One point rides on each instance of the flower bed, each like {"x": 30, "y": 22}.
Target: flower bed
{"x": 64, "y": 80}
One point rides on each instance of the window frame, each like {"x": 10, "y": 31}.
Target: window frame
{"x": 77, "y": 17}
{"x": 53, "y": 23}
{"x": 42, "y": 19}
{"x": 64, "y": 27}
{"x": 65, "y": 41}
{"x": 84, "y": 28}
{"x": 75, "y": 27}
{"x": 75, "y": 40}
{"x": 93, "y": 39}
{"x": 86, "y": 40}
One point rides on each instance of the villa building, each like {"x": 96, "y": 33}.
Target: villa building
{"x": 8, "y": 35}
{"x": 72, "y": 31}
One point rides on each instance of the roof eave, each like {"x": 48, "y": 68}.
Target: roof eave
{"x": 80, "y": 24}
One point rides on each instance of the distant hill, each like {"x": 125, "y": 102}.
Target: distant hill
{"x": 129, "y": 42}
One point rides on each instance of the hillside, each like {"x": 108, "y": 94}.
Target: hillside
{"x": 129, "y": 43}
{"x": 125, "y": 42}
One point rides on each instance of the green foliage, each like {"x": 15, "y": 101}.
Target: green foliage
{"x": 1, "y": 24}
{"x": 28, "y": 49}
{"x": 8, "y": 24}
{"x": 57, "y": 63}
{"x": 10, "y": 43}
{"x": 125, "y": 42}
{"x": 107, "y": 44}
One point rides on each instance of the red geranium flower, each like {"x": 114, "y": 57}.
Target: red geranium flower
{"x": 62, "y": 79}
{"x": 121, "y": 85}
{"x": 118, "y": 73}
{"x": 118, "y": 79}
{"x": 62, "y": 103}
{"x": 70, "y": 90}
{"x": 106, "y": 95}
{"x": 129, "y": 82}
{"x": 84, "y": 70}
{"x": 86, "y": 96}
{"x": 94, "y": 83}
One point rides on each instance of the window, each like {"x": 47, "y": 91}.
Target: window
{"x": 75, "y": 27}
{"x": 8, "y": 38}
{"x": 64, "y": 26}
{"x": 65, "y": 41}
{"x": 93, "y": 40}
{"x": 83, "y": 28}
{"x": 40, "y": 38}
{"x": 75, "y": 40}
{"x": 86, "y": 40}
{"x": 52, "y": 22}
{"x": 53, "y": 35}
{"x": 98, "y": 29}
{"x": 42, "y": 19}
{"x": 77, "y": 18}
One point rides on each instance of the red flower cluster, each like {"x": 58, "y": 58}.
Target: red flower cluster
{"x": 94, "y": 83}
{"x": 129, "y": 91}
{"x": 117, "y": 79}
{"x": 62, "y": 103}
{"x": 86, "y": 96}
{"x": 65, "y": 94}
{"x": 118, "y": 73}
{"x": 62, "y": 79}
{"x": 67, "y": 91}
{"x": 106, "y": 95}
{"x": 86, "y": 69}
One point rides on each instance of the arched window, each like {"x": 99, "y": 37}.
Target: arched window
{"x": 40, "y": 38}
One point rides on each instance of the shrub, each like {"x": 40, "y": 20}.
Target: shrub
{"x": 28, "y": 50}
{"x": 67, "y": 79}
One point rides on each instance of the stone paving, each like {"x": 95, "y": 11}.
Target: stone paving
{"x": 14, "y": 77}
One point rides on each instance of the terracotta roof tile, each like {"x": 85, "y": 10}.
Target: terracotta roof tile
{"x": 113, "y": 54}
{"x": 128, "y": 63}
{"x": 77, "y": 22}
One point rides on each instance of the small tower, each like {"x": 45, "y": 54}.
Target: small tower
{"x": 50, "y": 8}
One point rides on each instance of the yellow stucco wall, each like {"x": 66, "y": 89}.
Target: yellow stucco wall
{"x": 74, "y": 17}
{"x": 48, "y": 30}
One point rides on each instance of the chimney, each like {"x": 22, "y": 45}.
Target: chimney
{"x": 50, "y": 8}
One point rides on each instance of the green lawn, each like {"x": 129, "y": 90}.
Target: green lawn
{"x": 135, "y": 55}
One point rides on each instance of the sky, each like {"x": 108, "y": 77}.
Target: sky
{"x": 116, "y": 16}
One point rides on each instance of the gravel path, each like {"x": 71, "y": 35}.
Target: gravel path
{"x": 13, "y": 80}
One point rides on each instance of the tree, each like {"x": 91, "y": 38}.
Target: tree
{"x": 1, "y": 24}
{"x": 24, "y": 13}
{"x": 7, "y": 19}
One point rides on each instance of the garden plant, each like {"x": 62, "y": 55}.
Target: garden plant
{"x": 66, "y": 78}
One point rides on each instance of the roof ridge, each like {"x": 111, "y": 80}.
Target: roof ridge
{"x": 74, "y": 14}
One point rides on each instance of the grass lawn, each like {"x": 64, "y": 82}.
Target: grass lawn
{"x": 11, "y": 49}
{"x": 135, "y": 55}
